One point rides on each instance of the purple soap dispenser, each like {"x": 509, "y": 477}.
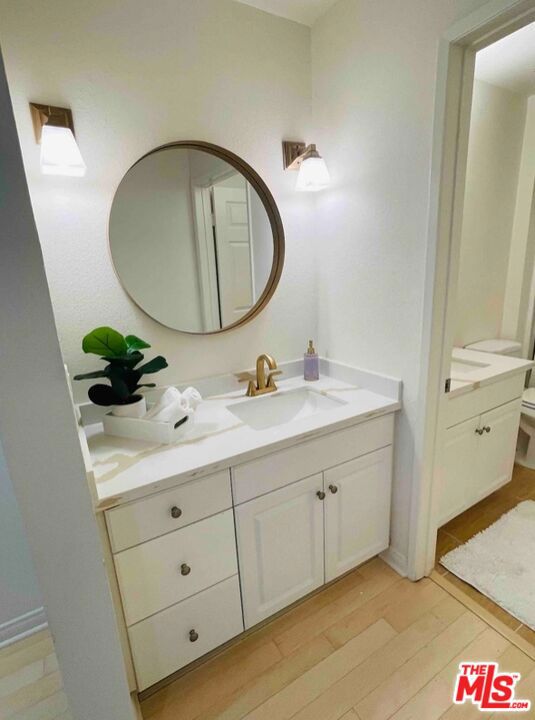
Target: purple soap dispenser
{"x": 311, "y": 363}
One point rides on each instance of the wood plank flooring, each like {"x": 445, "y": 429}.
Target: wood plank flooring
{"x": 370, "y": 647}
{"x": 31, "y": 687}
{"x": 478, "y": 518}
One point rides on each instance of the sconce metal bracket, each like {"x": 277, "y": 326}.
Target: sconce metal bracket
{"x": 292, "y": 152}
{"x": 50, "y": 115}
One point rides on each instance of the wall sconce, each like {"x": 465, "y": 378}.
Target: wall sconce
{"x": 313, "y": 173}
{"x": 54, "y": 131}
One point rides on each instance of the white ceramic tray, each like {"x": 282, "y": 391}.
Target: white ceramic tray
{"x": 165, "y": 433}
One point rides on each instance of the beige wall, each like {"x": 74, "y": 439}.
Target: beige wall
{"x": 494, "y": 152}
{"x": 518, "y": 303}
{"x": 139, "y": 74}
{"x": 152, "y": 239}
{"x": 374, "y": 68}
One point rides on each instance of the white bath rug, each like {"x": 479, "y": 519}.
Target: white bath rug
{"x": 500, "y": 562}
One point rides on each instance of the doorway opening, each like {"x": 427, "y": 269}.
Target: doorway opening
{"x": 480, "y": 290}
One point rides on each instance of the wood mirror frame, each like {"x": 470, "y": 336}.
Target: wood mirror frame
{"x": 270, "y": 207}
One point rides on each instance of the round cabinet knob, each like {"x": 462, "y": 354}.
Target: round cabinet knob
{"x": 480, "y": 431}
{"x": 185, "y": 569}
{"x": 193, "y": 636}
{"x": 321, "y": 494}
{"x": 333, "y": 489}
{"x": 487, "y": 429}
{"x": 176, "y": 512}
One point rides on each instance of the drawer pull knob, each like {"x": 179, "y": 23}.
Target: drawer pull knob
{"x": 333, "y": 489}
{"x": 185, "y": 569}
{"x": 487, "y": 428}
{"x": 321, "y": 494}
{"x": 480, "y": 431}
{"x": 193, "y": 636}
{"x": 176, "y": 512}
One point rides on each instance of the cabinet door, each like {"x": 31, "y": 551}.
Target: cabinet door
{"x": 458, "y": 468}
{"x": 280, "y": 547}
{"x": 357, "y": 511}
{"x": 497, "y": 448}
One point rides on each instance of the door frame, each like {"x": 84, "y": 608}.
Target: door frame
{"x": 528, "y": 341}
{"x": 206, "y": 263}
{"x": 455, "y": 76}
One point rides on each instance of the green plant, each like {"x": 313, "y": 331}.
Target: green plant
{"x": 123, "y": 370}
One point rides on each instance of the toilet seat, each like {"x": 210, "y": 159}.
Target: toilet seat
{"x": 528, "y": 401}
{"x": 528, "y": 411}
{"x": 525, "y": 454}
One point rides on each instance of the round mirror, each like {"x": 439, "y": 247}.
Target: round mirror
{"x": 196, "y": 238}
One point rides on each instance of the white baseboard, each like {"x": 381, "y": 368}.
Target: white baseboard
{"x": 396, "y": 560}
{"x": 23, "y": 626}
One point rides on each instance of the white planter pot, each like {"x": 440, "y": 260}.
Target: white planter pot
{"x": 133, "y": 410}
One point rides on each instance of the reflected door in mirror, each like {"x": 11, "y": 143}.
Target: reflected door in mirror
{"x": 191, "y": 240}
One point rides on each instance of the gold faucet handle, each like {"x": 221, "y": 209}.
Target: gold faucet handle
{"x": 244, "y": 377}
{"x": 251, "y": 380}
{"x": 270, "y": 381}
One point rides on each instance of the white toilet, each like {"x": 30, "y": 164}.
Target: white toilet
{"x": 525, "y": 454}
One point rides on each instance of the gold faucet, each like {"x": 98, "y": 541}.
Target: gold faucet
{"x": 262, "y": 384}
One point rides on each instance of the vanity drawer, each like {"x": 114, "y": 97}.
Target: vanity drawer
{"x": 274, "y": 471}
{"x": 160, "y": 573}
{"x": 156, "y": 515}
{"x": 162, "y": 644}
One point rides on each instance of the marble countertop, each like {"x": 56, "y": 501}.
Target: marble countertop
{"x": 122, "y": 470}
{"x": 471, "y": 369}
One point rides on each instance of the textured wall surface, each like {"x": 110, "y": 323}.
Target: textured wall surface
{"x": 494, "y": 151}
{"x": 520, "y": 290}
{"x": 374, "y": 74}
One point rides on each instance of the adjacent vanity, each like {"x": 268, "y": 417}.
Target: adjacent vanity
{"x": 482, "y": 420}
{"x": 265, "y": 500}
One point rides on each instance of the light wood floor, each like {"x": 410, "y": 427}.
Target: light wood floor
{"x": 31, "y": 687}
{"x": 372, "y": 646}
{"x": 478, "y": 518}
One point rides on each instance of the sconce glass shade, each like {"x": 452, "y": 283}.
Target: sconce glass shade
{"x": 313, "y": 175}
{"x": 60, "y": 154}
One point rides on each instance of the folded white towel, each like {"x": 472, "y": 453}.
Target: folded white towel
{"x": 193, "y": 397}
{"x": 174, "y": 405}
{"x": 169, "y": 403}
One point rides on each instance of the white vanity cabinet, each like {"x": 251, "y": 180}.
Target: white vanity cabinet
{"x": 192, "y": 562}
{"x": 479, "y": 451}
{"x": 176, "y": 566}
{"x": 292, "y": 540}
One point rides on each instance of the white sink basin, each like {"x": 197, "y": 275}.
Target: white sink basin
{"x": 467, "y": 366}
{"x": 282, "y": 407}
